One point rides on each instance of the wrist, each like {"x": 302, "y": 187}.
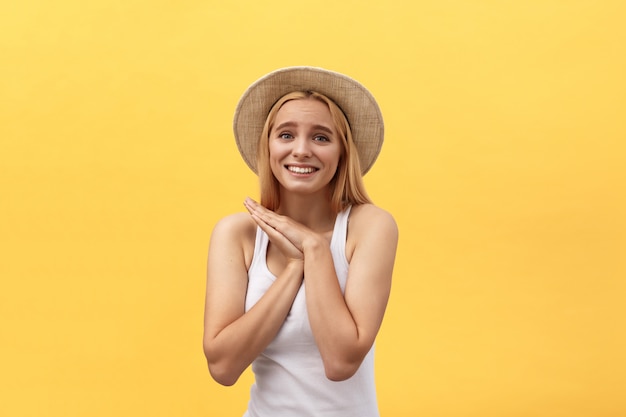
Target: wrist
{"x": 295, "y": 265}
{"x": 314, "y": 243}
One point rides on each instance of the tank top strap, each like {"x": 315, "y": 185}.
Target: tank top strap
{"x": 259, "y": 257}
{"x": 340, "y": 234}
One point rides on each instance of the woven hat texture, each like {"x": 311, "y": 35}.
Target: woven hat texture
{"x": 357, "y": 103}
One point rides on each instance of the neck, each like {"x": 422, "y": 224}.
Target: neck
{"x": 312, "y": 211}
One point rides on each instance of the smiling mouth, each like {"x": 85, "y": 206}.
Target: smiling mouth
{"x": 301, "y": 170}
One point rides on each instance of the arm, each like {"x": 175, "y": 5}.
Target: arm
{"x": 345, "y": 326}
{"x": 232, "y": 337}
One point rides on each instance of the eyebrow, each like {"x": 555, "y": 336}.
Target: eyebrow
{"x": 315, "y": 127}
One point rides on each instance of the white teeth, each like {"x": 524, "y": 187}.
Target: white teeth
{"x": 301, "y": 170}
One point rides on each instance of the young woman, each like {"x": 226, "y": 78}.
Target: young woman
{"x": 298, "y": 285}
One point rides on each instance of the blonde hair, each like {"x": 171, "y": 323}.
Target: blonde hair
{"x": 347, "y": 186}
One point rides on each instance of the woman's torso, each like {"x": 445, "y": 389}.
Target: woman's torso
{"x": 289, "y": 373}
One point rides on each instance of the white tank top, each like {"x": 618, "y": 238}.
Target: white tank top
{"x": 289, "y": 373}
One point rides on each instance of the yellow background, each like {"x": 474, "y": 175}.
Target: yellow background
{"x": 503, "y": 165}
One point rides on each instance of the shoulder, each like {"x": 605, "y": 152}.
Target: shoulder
{"x": 237, "y": 224}
{"x": 236, "y": 231}
{"x": 369, "y": 224}
{"x": 368, "y": 216}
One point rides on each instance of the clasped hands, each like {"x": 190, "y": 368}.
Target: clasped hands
{"x": 289, "y": 236}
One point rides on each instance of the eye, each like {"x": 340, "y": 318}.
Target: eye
{"x": 321, "y": 138}
{"x": 285, "y": 135}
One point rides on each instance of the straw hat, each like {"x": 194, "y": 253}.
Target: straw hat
{"x": 357, "y": 103}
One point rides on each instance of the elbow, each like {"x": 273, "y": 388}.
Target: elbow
{"x": 341, "y": 370}
{"x": 222, "y": 376}
{"x": 220, "y": 370}
{"x": 340, "y": 367}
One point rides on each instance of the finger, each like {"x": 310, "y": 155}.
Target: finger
{"x": 268, "y": 216}
{"x": 263, "y": 225}
{"x": 248, "y": 205}
{"x": 253, "y": 205}
{"x": 276, "y": 237}
{"x": 255, "y": 208}
{"x": 286, "y": 226}
{"x": 263, "y": 218}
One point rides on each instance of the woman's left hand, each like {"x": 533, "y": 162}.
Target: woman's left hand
{"x": 271, "y": 222}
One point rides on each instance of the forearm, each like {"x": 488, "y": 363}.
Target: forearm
{"x": 231, "y": 351}
{"x": 334, "y": 328}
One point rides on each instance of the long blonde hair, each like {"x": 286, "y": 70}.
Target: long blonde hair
{"x": 347, "y": 186}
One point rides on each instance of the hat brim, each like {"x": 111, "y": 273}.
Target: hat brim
{"x": 357, "y": 103}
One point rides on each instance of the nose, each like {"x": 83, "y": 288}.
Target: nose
{"x": 301, "y": 148}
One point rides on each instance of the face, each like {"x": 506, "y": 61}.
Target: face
{"x": 304, "y": 146}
